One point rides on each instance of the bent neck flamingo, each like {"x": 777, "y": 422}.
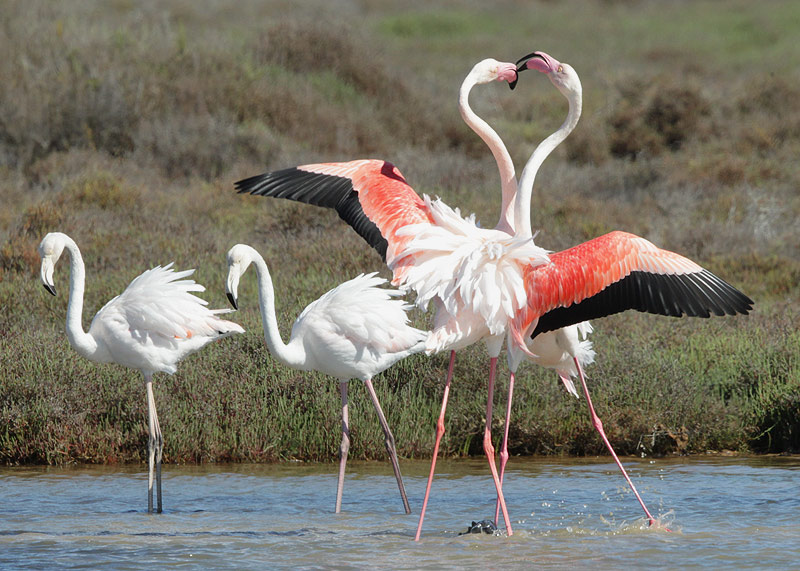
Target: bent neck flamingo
{"x": 150, "y": 326}
{"x": 354, "y": 331}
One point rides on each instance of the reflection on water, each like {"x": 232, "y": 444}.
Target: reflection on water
{"x": 738, "y": 512}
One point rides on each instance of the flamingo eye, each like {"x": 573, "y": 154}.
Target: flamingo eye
{"x": 561, "y": 69}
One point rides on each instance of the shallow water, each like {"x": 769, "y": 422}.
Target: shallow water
{"x": 738, "y": 512}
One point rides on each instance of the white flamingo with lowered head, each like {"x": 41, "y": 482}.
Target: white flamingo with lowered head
{"x": 354, "y": 331}
{"x": 150, "y": 326}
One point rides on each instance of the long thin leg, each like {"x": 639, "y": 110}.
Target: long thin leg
{"x": 439, "y": 434}
{"x": 488, "y": 448}
{"x": 155, "y": 447}
{"x": 504, "y": 450}
{"x": 390, "y": 444}
{"x": 345, "y": 446}
{"x": 159, "y": 455}
{"x": 599, "y": 426}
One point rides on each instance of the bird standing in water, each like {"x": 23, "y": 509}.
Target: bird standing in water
{"x": 150, "y": 326}
{"x": 354, "y": 331}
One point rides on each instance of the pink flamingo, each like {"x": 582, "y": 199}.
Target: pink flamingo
{"x": 474, "y": 274}
{"x": 566, "y": 346}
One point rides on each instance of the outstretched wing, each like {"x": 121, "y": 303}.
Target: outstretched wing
{"x": 370, "y": 195}
{"x": 620, "y": 271}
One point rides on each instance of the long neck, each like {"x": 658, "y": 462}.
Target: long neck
{"x": 290, "y": 355}
{"x": 82, "y": 342}
{"x": 508, "y": 179}
{"x": 522, "y": 210}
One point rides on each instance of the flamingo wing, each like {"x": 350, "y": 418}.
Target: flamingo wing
{"x": 370, "y": 195}
{"x": 621, "y": 271}
{"x": 159, "y": 304}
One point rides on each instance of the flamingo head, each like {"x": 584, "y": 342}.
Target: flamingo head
{"x": 50, "y": 250}
{"x": 490, "y": 70}
{"x": 562, "y": 75}
{"x": 239, "y": 259}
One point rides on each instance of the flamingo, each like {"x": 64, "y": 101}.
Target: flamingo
{"x": 565, "y": 346}
{"x": 354, "y": 331}
{"x": 487, "y": 284}
{"x": 150, "y": 326}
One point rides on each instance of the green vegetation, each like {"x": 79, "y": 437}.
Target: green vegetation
{"x": 125, "y": 126}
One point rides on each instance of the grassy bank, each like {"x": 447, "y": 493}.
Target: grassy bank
{"x": 127, "y": 133}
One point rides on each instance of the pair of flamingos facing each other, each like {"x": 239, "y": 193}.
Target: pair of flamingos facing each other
{"x": 649, "y": 280}
{"x": 491, "y": 284}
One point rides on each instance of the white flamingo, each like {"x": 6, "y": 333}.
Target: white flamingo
{"x": 354, "y": 331}
{"x": 150, "y": 326}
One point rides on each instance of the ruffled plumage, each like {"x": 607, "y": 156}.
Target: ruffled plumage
{"x": 470, "y": 269}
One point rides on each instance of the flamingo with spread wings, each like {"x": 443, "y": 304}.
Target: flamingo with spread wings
{"x": 445, "y": 258}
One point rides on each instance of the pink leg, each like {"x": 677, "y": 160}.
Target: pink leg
{"x": 488, "y": 448}
{"x": 439, "y": 434}
{"x": 599, "y": 426}
{"x": 504, "y": 450}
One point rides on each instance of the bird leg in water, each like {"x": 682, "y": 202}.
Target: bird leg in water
{"x": 599, "y": 426}
{"x": 345, "y": 446}
{"x": 504, "y": 450}
{"x": 439, "y": 434}
{"x": 155, "y": 448}
{"x": 391, "y": 448}
{"x": 488, "y": 448}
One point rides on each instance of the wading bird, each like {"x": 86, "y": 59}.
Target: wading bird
{"x": 150, "y": 326}
{"x": 550, "y": 349}
{"x": 354, "y": 331}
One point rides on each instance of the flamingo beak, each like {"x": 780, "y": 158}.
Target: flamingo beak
{"x": 232, "y": 299}
{"x": 46, "y": 274}
{"x": 512, "y": 84}
{"x": 232, "y": 283}
{"x": 539, "y": 61}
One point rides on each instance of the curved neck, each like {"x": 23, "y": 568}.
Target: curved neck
{"x": 522, "y": 210}
{"x": 290, "y": 355}
{"x": 82, "y": 342}
{"x": 508, "y": 179}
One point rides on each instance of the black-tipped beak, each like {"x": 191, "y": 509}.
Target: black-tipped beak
{"x": 232, "y": 300}
{"x": 50, "y": 289}
{"x": 522, "y": 63}
{"x": 513, "y": 84}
